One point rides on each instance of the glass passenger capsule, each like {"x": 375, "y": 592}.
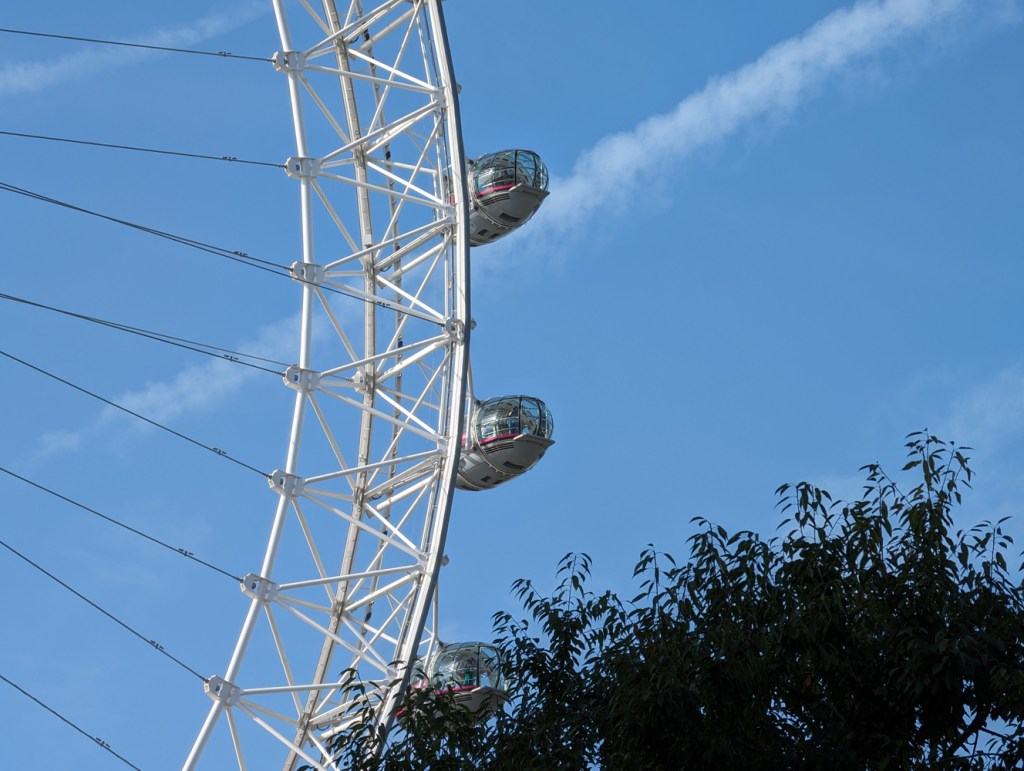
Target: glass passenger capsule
{"x": 505, "y": 189}
{"x": 460, "y": 666}
{"x": 506, "y": 437}
{"x": 470, "y": 673}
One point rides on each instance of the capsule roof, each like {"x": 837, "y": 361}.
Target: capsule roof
{"x": 512, "y": 416}
{"x": 507, "y": 168}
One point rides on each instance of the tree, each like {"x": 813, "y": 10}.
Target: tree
{"x": 870, "y": 636}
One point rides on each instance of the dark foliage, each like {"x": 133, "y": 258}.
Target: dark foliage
{"x": 870, "y": 636}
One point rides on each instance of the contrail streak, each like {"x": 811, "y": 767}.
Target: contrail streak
{"x": 608, "y": 175}
{"x": 35, "y": 76}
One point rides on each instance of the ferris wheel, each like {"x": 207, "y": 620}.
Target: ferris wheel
{"x": 384, "y": 427}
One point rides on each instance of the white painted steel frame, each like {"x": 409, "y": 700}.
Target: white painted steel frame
{"x": 380, "y": 384}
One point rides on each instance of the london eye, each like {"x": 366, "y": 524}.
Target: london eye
{"x": 384, "y": 424}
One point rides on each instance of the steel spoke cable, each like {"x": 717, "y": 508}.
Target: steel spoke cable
{"x": 59, "y": 716}
{"x": 149, "y": 46}
{"x": 237, "y": 256}
{"x": 168, "y": 429}
{"x": 177, "y": 550}
{"x": 228, "y": 158}
{"x": 152, "y": 643}
{"x": 241, "y": 257}
{"x": 235, "y": 357}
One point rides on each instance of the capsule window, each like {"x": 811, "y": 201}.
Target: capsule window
{"x": 508, "y": 168}
{"x": 512, "y": 416}
{"x": 469, "y": 665}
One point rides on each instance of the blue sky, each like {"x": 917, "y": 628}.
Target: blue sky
{"x": 779, "y": 238}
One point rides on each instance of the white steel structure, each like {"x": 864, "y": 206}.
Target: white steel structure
{"x": 348, "y": 581}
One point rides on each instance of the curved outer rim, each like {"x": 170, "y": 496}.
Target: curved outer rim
{"x": 451, "y": 415}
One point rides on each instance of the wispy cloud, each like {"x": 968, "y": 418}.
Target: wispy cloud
{"x": 604, "y": 177}
{"x": 34, "y": 76}
{"x": 607, "y": 177}
{"x": 989, "y": 418}
{"x": 990, "y": 415}
{"x": 196, "y": 388}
